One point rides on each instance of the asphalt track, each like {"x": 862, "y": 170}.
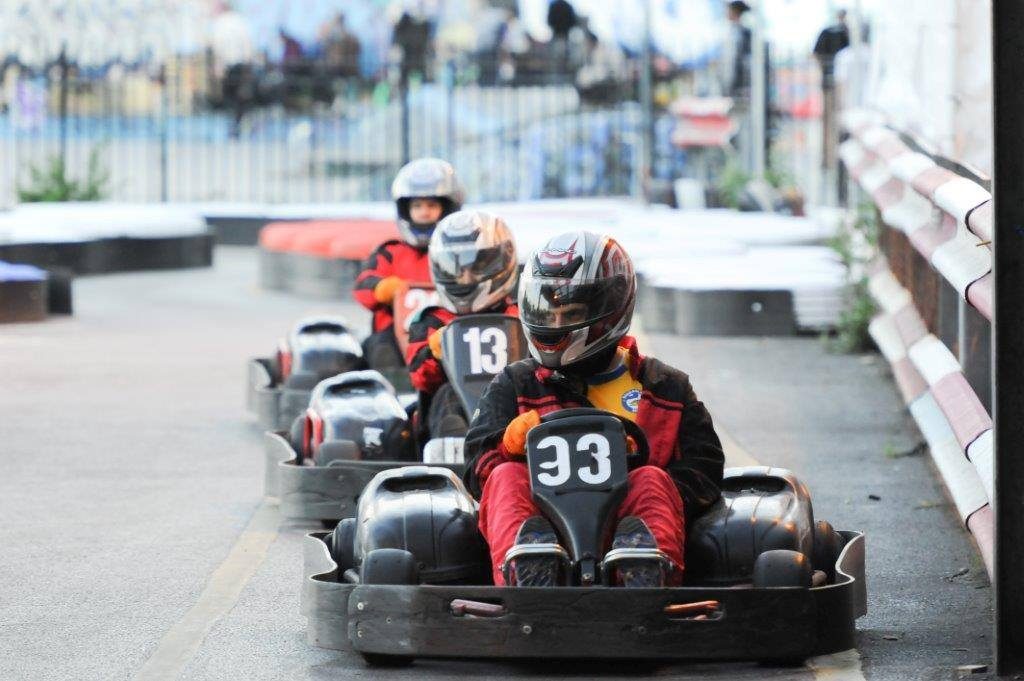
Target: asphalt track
{"x": 136, "y": 543}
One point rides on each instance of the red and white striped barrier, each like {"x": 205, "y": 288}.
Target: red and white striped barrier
{"x": 947, "y": 218}
{"x": 952, "y": 419}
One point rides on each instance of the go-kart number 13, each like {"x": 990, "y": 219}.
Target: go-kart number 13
{"x": 561, "y": 469}
{"x": 492, "y": 361}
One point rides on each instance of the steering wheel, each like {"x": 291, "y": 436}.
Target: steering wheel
{"x": 643, "y": 449}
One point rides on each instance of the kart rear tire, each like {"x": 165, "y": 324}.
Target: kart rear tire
{"x": 343, "y": 544}
{"x": 782, "y": 568}
{"x": 389, "y": 566}
{"x": 381, "y": 660}
{"x": 827, "y": 545}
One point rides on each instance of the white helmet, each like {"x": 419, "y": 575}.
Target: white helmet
{"x": 424, "y": 178}
{"x": 473, "y": 261}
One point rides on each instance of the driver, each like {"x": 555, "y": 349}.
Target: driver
{"x": 424, "y": 191}
{"x": 576, "y": 302}
{"x": 474, "y": 267}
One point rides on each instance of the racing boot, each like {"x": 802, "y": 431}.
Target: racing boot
{"x": 535, "y": 559}
{"x": 640, "y": 571}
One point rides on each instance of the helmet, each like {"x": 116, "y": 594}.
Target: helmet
{"x": 473, "y": 261}
{"x": 427, "y": 178}
{"x": 576, "y": 298}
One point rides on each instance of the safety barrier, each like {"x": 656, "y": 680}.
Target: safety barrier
{"x": 947, "y": 219}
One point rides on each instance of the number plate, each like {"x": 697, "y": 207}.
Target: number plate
{"x": 581, "y": 455}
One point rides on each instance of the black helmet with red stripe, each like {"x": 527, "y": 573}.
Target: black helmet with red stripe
{"x": 576, "y": 299}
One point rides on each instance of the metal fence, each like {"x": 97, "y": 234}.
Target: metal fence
{"x": 301, "y": 136}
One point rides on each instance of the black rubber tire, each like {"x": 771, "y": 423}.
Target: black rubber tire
{"x": 296, "y": 436}
{"x": 380, "y": 660}
{"x": 827, "y": 545}
{"x": 342, "y": 544}
{"x": 389, "y": 566}
{"x": 781, "y": 568}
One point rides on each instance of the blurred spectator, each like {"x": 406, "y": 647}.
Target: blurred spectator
{"x": 736, "y": 51}
{"x": 603, "y": 70}
{"x": 232, "y": 47}
{"x": 341, "y": 48}
{"x": 412, "y": 37}
{"x": 291, "y": 49}
{"x": 513, "y": 44}
{"x": 561, "y": 19}
{"x": 830, "y": 41}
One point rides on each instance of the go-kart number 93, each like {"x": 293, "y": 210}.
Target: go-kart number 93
{"x": 598, "y": 472}
{"x": 492, "y": 361}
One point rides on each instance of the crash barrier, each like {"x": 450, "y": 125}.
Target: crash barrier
{"x": 710, "y": 272}
{"x": 947, "y": 220}
{"x": 952, "y": 419}
{"x": 94, "y": 238}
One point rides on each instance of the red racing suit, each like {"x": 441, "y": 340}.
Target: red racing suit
{"x": 682, "y": 478}
{"x": 425, "y": 371}
{"x": 392, "y": 258}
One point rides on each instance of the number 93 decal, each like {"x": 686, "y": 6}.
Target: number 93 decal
{"x": 597, "y": 472}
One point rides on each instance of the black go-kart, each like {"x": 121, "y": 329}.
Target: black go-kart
{"x": 279, "y": 386}
{"x": 409, "y": 576}
{"x": 355, "y": 426}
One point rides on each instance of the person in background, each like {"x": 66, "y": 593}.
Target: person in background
{"x": 830, "y": 42}
{"x": 425, "y": 191}
{"x": 561, "y": 19}
{"x": 603, "y": 69}
{"x": 736, "y": 52}
{"x": 232, "y": 47}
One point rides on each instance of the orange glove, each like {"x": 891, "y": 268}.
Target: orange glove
{"x": 434, "y": 341}
{"x": 384, "y": 291}
{"x": 631, "y": 445}
{"x": 514, "y": 438}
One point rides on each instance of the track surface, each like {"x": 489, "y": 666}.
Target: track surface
{"x": 129, "y": 475}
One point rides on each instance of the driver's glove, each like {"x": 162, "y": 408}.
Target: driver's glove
{"x": 434, "y": 341}
{"x": 384, "y": 291}
{"x": 514, "y": 439}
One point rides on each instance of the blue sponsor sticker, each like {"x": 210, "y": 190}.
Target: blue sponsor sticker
{"x": 631, "y": 400}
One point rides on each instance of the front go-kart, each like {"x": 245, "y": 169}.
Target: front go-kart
{"x": 764, "y": 581}
{"x": 279, "y": 386}
{"x": 320, "y": 470}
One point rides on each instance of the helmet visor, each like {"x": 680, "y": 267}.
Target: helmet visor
{"x": 467, "y": 264}
{"x": 567, "y": 304}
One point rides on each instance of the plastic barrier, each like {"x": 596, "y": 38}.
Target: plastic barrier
{"x": 23, "y": 293}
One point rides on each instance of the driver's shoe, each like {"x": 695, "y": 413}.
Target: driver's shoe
{"x": 538, "y": 570}
{"x": 633, "y": 533}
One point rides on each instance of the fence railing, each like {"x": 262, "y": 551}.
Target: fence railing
{"x": 934, "y": 287}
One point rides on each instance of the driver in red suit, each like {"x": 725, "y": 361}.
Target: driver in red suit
{"x": 425, "y": 191}
{"x": 474, "y": 267}
{"x": 576, "y": 302}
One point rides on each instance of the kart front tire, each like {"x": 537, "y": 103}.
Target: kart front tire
{"x": 342, "y": 544}
{"x": 782, "y": 568}
{"x": 389, "y": 566}
{"x": 827, "y": 545}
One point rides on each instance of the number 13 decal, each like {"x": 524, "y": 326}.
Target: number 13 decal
{"x": 495, "y": 360}
{"x": 595, "y": 444}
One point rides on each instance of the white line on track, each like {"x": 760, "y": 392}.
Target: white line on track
{"x": 180, "y": 643}
{"x": 841, "y": 666}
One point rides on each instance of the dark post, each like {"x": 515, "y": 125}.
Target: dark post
{"x": 646, "y": 104}
{"x": 164, "y": 112}
{"x": 403, "y": 100}
{"x": 62, "y": 63}
{"x": 1008, "y": 325}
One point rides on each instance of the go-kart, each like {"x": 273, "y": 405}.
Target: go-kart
{"x": 279, "y": 386}
{"x": 408, "y": 578}
{"x": 355, "y": 426}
